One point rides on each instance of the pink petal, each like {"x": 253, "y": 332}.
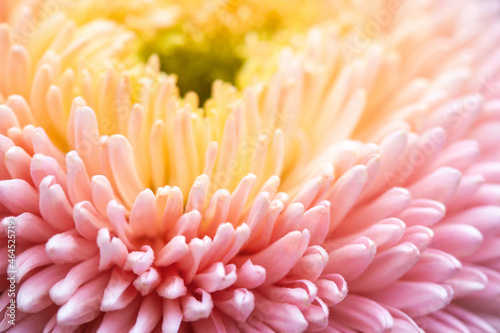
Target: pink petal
{"x": 78, "y": 180}
{"x": 289, "y": 220}
{"x": 483, "y": 134}
{"x": 460, "y": 240}
{"x": 257, "y": 216}
{"x": 33, "y": 294}
{"x": 173, "y": 211}
{"x": 172, "y": 252}
{"x": 83, "y": 306}
{"x": 238, "y": 304}
{"x": 123, "y": 168}
{"x": 187, "y": 225}
{"x": 489, "y": 170}
{"x": 298, "y": 295}
{"x": 362, "y": 314}
{"x": 86, "y": 139}
{"x": 290, "y": 249}
{"x": 21, "y": 108}
{"x": 282, "y": 317}
{"x": 76, "y": 277}
{"x": 391, "y": 148}
{"x": 250, "y": 276}
{"x": 118, "y": 292}
{"x": 311, "y": 265}
{"x": 384, "y": 234}
{"x": 32, "y": 322}
{"x": 216, "y": 277}
{"x": 140, "y": 261}
{"x": 172, "y": 316}
{"x": 420, "y": 236}
{"x": 423, "y": 212}
{"x": 415, "y": 298}
{"x": 87, "y": 220}
{"x": 332, "y": 288}
{"x": 30, "y": 259}
{"x": 111, "y": 250}
{"x": 261, "y": 237}
{"x": 489, "y": 251}
{"x": 147, "y": 281}
{"x": 387, "y": 267}
{"x": 241, "y": 235}
{"x": 351, "y": 260}
{"x": 42, "y": 166}
{"x": 197, "y": 194}
{"x": 479, "y": 282}
{"x": 317, "y": 315}
{"x": 5, "y": 145}
{"x": 196, "y": 308}
{"x": 317, "y": 221}
{"x": 172, "y": 286}
{"x": 116, "y": 216}
{"x": 434, "y": 266}
{"x": 474, "y": 323}
{"x": 69, "y": 247}
{"x": 216, "y": 212}
{"x": 149, "y": 314}
{"x": 54, "y": 206}
{"x": 43, "y": 145}
{"x": 387, "y": 205}
{"x": 488, "y": 194}
{"x": 439, "y": 185}
{"x": 143, "y": 215}
{"x": 102, "y": 193}
{"x": 442, "y": 322}
{"x": 190, "y": 263}
{"x": 30, "y": 227}
{"x": 17, "y": 163}
{"x": 403, "y": 322}
{"x": 19, "y": 197}
{"x": 460, "y": 155}
{"x": 239, "y": 197}
{"x": 469, "y": 186}
{"x": 345, "y": 192}
{"x": 222, "y": 242}
{"x": 313, "y": 189}
{"x": 120, "y": 320}
{"x": 485, "y": 218}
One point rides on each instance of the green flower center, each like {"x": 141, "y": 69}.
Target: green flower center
{"x": 228, "y": 40}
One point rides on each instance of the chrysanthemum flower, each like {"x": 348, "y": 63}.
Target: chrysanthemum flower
{"x": 348, "y": 182}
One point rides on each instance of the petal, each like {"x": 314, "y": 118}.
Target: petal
{"x": 149, "y": 314}
{"x": 387, "y": 267}
{"x": 238, "y": 304}
{"x": 119, "y": 292}
{"x": 351, "y": 260}
{"x": 19, "y": 197}
{"x": 362, "y": 314}
{"x": 196, "y": 308}
{"x": 290, "y": 249}
{"x": 415, "y": 298}
{"x": 83, "y": 306}
{"x": 460, "y": 240}
{"x": 76, "y": 277}
{"x": 216, "y": 277}
{"x": 33, "y": 295}
{"x": 434, "y": 266}
{"x": 69, "y": 247}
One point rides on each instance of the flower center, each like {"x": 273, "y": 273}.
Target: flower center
{"x": 222, "y": 39}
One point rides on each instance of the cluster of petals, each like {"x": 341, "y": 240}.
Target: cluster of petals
{"x": 356, "y": 191}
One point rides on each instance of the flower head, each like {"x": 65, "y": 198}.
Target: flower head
{"x": 348, "y": 183}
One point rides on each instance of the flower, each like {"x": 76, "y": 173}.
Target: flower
{"x": 349, "y": 184}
